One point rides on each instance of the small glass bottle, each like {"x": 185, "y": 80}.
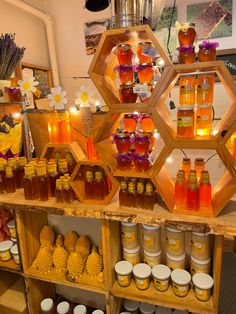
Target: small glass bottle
{"x": 70, "y": 162}
{"x": 180, "y": 190}
{"x": 149, "y": 197}
{"x": 2, "y": 170}
{"x": 67, "y": 192}
{"x": 131, "y": 194}
{"x": 141, "y": 162}
{"x": 42, "y": 180}
{"x": 47, "y": 306}
{"x": 205, "y": 192}
{"x": 11, "y": 162}
{"x": 186, "y": 54}
{"x": 62, "y": 167}
{"x": 88, "y": 185}
{"x": 199, "y": 165}
{"x": 126, "y": 73}
{"x": 53, "y": 176}
{"x": 142, "y": 143}
{"x": 127, "y": 94}
{"x": 147, "y": 123}
{"x": 10, "y": 183}
{"x": 124, "y": 161}
{"x": 139, "y": 197}
{"x": 186, "y": 166}
{"x": 123, "y": 194}
{"x": 58, "y": 191}
{"x": 27, "y": 182}
{"x": 207, "y": 51}
{"x": 91, "y": 149}
{"x": 99, "y": 188}
{"x": 22, "y": 161}
{"x": 65, "y": 134}
{"x": 192, "y": 193}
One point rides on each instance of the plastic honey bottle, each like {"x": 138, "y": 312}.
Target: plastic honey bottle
{"x": 10, "y": 183}
{"x": 180, "y": 190}
{"x": 149, "y": 197}
{"x": 99, "y": 187}
{"x": 12, "y": 163}
{"x": 192, "y": 192}
{"x": 205, "y": 192}
{"x": 139, "y": 198}
{"x": 123, "y": 194}
{"x": 88, "y": 185}
{"x": 42, "y": 182}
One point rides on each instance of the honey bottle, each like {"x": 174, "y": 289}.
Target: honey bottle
{"x": 192, "y": 192}
{"x": 88, "y": 185}
{"x": 1, "y": 185}
{"x": 42, "y": 182}
{"x": 10, "y": 183}
{"x": 99, "y": 187}
{"x": 199, "y": 165}
{"x": 11, "y": 162}
{"x": 70, "y": 162}
{"x": 180, "y": 190}
{"x": 65, "y": 135}
{"x": 58, "y": 191}
{"x": 53, "y": 176}
{"x": 20, "y": 171}
{"x": 2, "y": 171}
{"x": 67, "y": 193}
{"x": 205, "y": 192}
{"x": 27, "y": 182}
{"x": 62, "y": 167}
{"x": 186, "y": 166}
{"x": 123, "y": 194}
{"x": 139, "y": 198}
{"x": 131, "y": 194}
{"x": 149, "y": 197}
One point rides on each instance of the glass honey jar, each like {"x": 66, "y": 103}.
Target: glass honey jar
{"x": 187, "y": 85}
{"x": 124, "y": 54}
{"x": 126, "y": 73}
{"x": 142, "y": 58}
{"x": 130, "y": 122}
{"x": 147, "y": 123}
{"x": 205, "y": 88}
{"x": 186, "y": 34}
{"x": 185, "y": 122}
{"x": 207, "y": 51}
{"x": 141, "y": 162}
{"x": 204, "y": 117}
{"x": 145, "y": 73}
{"x": 186, "y": 54}
{"x": 124, "y": 161}
{"x": 142, "y": 143}
{"x": 127, "y": 94}
{"x": 122, "y": 141}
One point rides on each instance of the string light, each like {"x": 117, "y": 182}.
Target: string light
{"x": 169, "y": 160}
{"x": 73, "y": 109}
{"x": 160, "y": 63}
{"x": 16, "y": 115}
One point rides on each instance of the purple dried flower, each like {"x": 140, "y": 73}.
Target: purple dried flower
{"x": 206, "y": 44}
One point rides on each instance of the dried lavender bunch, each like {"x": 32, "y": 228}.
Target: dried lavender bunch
{"x": 10, "y": 55}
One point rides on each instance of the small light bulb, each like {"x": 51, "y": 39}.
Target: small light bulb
{"x": 16, "y": 115}
{"x": 135, "y": 112}
{"x": 73, "y": 110}
{"x": 136, "y": 59}
{"x": 97, "y": 103}
{"x": 160, "y": 63}
{"x": 156, "y": 135}
{"x": 169, "y": 160}
{"x": 215, "y": 132}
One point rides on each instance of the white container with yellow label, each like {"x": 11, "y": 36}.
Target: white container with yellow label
{"x": 180, "y": 282}
{"x": 132, "y": 255}
{"x": 175, "y": 262}
{"x": 200, "y": 266}
{"x": 151, "y": 238}
{"x": 15, "y": 254}
{"x": 152, "y": 258}
{"x": 129, "y": 235}
{"x": 175, "y": 244}
{"x": 161, "y": 277}
{"x": 142, "y": 273}
{"x": 203, "y": 284}
{"x": 131, "y": 306}
{"x": 146, "y": 308}
{"x": 123, "y": 271}
{"x": 200, "y": 245}
{"x": 5, "y": 253}
{"x": 12, "y": 228}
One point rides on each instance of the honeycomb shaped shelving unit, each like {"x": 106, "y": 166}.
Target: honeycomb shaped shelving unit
{"x": 77, "y": 181}
{"x": 101, "y": 70}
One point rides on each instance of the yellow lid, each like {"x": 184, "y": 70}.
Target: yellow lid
{"x": 29, "y": 170}
{"x": 41, "y": 170}
{"x": 22, "y": 161}
{"x": 98, "y": 175}
{"x": 123, "y": 185}
{"x": 89, "y": 175}
{"x": 66, "y": 184}
{"x": 3, "y": 161}
{"x": 52, "y": 160}
{"x": 58, "y": 184}
{"x": 69, "y": 158}
{"x": 52, "y": 167}
{"x": 67, "y": 176}
{"x": 63, "y": 165}
{"x": 205, "y": 177}
{"x": 9, "y": 172}
{"x": 149, "y": 188}
{"x": 131, "y": 186}
{"x": 11, "y": 162}
{"x": 140, "y": 187}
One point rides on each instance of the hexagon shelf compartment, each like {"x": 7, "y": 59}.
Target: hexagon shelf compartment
{"x": 78, "y": 185}
{"x": 105, "y": 60}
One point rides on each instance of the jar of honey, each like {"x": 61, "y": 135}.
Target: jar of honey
{"x": 142, "y": 58}
{"x": 122, "y": 141}
{"x": 186, "y": 54}
{"x": 124, "y": 54}
{"x": 204, "y": 116}
{"x": 125, "y": 73}
{"x": 127, "y": 94}
{"x": 207, "y": 51}
{"x": 147, "y": 123}
{"x": 141, "y": 162}
{"x": 130, "y": 122}
{"x": 145, "y": 73}
{"x": 187, "y": 90}
{"x": 141, "y": 143}
{"x": 186, "y": 34}
{"x": 205, "y": 88}
{"x": 185, "y": 122}
{"x": 124, "y": 161}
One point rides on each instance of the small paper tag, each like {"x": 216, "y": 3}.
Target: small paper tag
{"x": 154, "y": 154}
{"x": 144, "y": 96}
{"x": 86, "y": 117}
{"x": 149, "y": 51}
{"x": 140, "y": 89}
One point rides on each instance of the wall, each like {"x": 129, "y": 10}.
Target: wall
{"x": 30, "y": 31}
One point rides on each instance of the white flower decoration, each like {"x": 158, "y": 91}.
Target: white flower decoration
{"x": 57, "y": 98}
{"x": 27, "y": 85}
{"x": 84, "y": 97}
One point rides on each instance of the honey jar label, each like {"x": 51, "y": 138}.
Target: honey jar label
{"x": 199, "y": 248}
{"x": 123, "y": 280}
{"x": 161, "y": 285}
{"x": 128, "y": 237}
{"x": 185, "y": 122}
{"x": 148, "y": 241}
{"x": 13, "y": 233}
{"x": 141, "y": 284}
{"x": 172, "y": 244}
{"x": 202, "y": 294}
{"x": 5, "y": 256}
{"x": 186, "y": 89}
{"x": 180, "y": 291}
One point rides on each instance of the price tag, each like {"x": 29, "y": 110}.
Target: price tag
{"x": 86, "y": 118}
{"x": 140, "y": 89}
{"x": 154, "y": 154}
{"x": 144, "y": 96}
{"x": 149, "y": 51}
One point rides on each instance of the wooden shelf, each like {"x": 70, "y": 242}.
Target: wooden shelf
{"x": 168, "y": 298}
{"x": 10, "y": 266}
{"x": 59, "y": 278}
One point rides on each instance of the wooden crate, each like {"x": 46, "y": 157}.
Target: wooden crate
{"x": 151, "y": 295}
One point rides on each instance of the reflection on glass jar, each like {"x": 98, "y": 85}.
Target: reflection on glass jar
{"x": 142, "y": 58}
{"x": 187, "y": 90}
{"x": 186, "y": 54}
{"x": 205, "y": 88}
{"x": 207, "y": 51}
{"x": 147, "y": 123}
{"x": 125, "y": 73}
{"x": 127, "y": 94}
{"x": 141, "y": 143}
{"x": 186, "y": 34}
{"x": 145, "y": 73}
{"x": 124, "y": 54}
{"x": 124, "y": 161}
{"x": 185, "y": 122}
{"x": 122, "y": 141}
{"x": 130, "y": 122}
{"x": 141, "y": 162}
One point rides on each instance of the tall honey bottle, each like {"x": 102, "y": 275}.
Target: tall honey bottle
{"x": 62, "y": 167}
{"x": 58, "y": 191}
{"x": 42, "y": 182}
{"x": 70, "y": 162}
{"x": 123, "y": 194}
{"x": 180, "y": 190}
{"x": 131, "y": 194}
{"x": 192, "y": 192}
{"x": 53, "y": 176}
{"x": 2, "y": 171}
{"x": 11, "y": 162}
{"x": 67, "y": 192}
{"x": 22, "y": 162}
{"x": 10, "y": 183}
{"x": 88, "y": 185}
{"x": 139, "y": 197}
{"x": 205, "y": 197}
{"x": 27, "y": 182}
{"x": 65, "y": 134}
{"x": 149, "y": 197}
{"x": 99, "y": 187}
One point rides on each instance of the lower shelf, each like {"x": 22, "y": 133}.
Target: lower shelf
{"x": 166, "y": 299}
{"x": 10, "y": 266}
{"x": 84, "y": 281}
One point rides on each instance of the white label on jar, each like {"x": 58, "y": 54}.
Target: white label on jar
{"x": 189, "y": 87}
{"x": 198, "y": 291}
{"x": 205, "y": 118}
{"x": 140, "y": 88}
{"x": 139, "y": 281}
{"x": 172, "y": 241}
{"x": 182, "y": 288}
{"x": 205, "y": 86}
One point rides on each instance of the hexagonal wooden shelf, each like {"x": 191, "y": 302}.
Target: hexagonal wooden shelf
{"x": 78, "y": 184}
{"x": 102, "y": 67}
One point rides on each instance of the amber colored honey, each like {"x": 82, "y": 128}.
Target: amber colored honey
{"x": 180, "y": 190}
{"x": 205, "y": 196}
{"x": 123, "y": 194}
{"x": 58, "y": 191}
{"x": 187, "y": 90}
{"x": 42, "y": 182}
{"x": 186, "y": 35}
{"x": 130, "y": 123}
{"x": 99, "y": 187}
{"x": 65, "y": 134}
{"x": 149, "y": 197}
{"x": 126, "y": 75}
{"x": 124, "y": 54}
{"x": 145, "y": 74}
{"x": 147, "y": 124}
{"x": 27, "y": 182}
{"x": 1, "y": 185}
{"x": 204, "y": 117}
{"x": 142, "y": 58}
{"x": 185, "y": 122}
{"x": 88, "y": 185}
{"x": 186, "y": 166}
{"x": 131, "y": 194}
{"x": 193, "y": 194}
{"x": 205, "y": 89}
{"x": 199, "y": 165}
{"x": 187, "y": 57}
{"x": 139, "y": 197}
{"x": 53, "y": 176}
{"x": 10, "y": 183}
{"x": 67, "y": 193}
{"x": 205, "y": 55}
{"x": 53, "y": 128}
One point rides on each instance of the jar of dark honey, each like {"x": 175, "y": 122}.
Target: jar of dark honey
{"x": 185, "y": 122}
{"x": 186, "y": 54}
{"x": 125, "y": 73}
{"x": 141, "y": 162}
{"x": 207, "y": 51}
{"x": 186, "y": 34}
{"x": 127, "y": 94}
{"x": 124, "y": 161}
{"x": 142, "y": 143}
{"x": 122, "y": 141}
